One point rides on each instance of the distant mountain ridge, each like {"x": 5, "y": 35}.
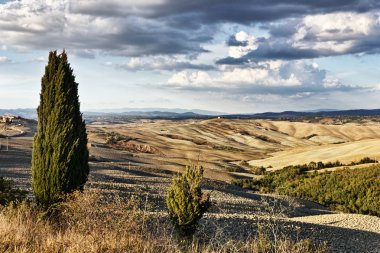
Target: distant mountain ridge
{"x": 296, "y": 114}
{"x": 156, "y": 109}
{"x": 28, "y": 113}
{"x": 196, "y": 114}
{"x": 31, "y": 113}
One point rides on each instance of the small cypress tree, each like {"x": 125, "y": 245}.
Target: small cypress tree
{"x": 60, "y": 154}
{"x": 185, "y": 201}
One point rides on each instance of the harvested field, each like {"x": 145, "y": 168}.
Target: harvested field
{"x": 235, "y": 212}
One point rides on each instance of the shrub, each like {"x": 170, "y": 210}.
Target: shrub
{"x": 258, "y": 170}
{"x": 349, "y": 190}
{"x": 113, "y": 138}
{"x": 60, "y": 154}
{"x": 9, "y": 193}
{"x": 244, "y": 163}
{"x": 185, "y": 201}
{"x": 234, "y": 169}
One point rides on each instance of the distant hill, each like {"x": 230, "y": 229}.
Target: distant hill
{"x": 134, "y": 111}
{"x": 199, "y": 114}
{"x": 295, "y": 114}
{"x": 27, "y": 113}
{"x": 116, "y": 117}
{"x": 30, "y": 113}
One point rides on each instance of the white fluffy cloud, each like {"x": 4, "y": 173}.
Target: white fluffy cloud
{"x": 309, "y": 37}
{"x": 277, "y": 77}
{"x": 335, "y": 32}
{"x": 244, "y": 44}
{"x": 191, "y": 78}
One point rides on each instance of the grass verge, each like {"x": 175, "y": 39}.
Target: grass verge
{"x": 92, "y": 222}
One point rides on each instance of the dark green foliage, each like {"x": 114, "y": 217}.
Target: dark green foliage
{"x": 9, "y": 193}
{"x": 185, "y": 201}
{"x": 364, "y": 160}
{"x": 320, "y": 165}
{"x": 234, "y": 168}
{"x": 258, "y": 170}
{"x": 349, "y": 190}
{"x": 113, "y": 138}
{"x": 253, "y": 169}
{"x": 60, "y": 154}
{"x": 244, "y": 164}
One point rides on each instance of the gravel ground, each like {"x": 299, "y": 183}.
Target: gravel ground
{"x": 236, "y": 212}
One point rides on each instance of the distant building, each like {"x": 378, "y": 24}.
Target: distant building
{"x": 7, "y": 118}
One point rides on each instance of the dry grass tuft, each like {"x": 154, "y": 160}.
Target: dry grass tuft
{"x": 92, "y": 222}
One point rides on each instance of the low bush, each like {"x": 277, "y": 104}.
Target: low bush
{"x": 244, "y": 163}
{"x": 258, "y": 170}
{"x": 185, "y": 201}
{"x": 8, "y": 193}
{"x": 320, "y": 165}
{"x": 113, "y": 138}
{"x": 364, "y": 161}
{"x": 234, "y": 169}
{"x": 349, "y": 190}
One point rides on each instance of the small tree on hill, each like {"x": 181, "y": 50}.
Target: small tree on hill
{"x": 60, "y": 154}
{"x": 185, "y": 201}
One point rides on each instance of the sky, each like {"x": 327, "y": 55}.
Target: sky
{"x": 243, "y": 56}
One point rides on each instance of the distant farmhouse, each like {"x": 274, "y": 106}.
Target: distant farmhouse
{"x": 8, "y": 118}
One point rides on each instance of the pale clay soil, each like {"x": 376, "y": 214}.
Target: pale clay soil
{"x": 235, "y": 212}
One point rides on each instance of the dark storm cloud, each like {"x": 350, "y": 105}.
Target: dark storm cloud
{"x": 190, "y": 17}
{"x": 232, "y": 41}
{"x": 295, "y": 39}
{"x": 282, "y": 29}
{"x": 160, "y": 27}
{"x": 277, "y": 51}
{"x": 233, "y": 61}
{"x": 216, "y": 11}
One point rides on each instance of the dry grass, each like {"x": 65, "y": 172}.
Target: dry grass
{"x": 345, "y": 153}
{"x": 216, "y": 142}
{"x": 91, "y": 222}
{"x": 170, "y": 145}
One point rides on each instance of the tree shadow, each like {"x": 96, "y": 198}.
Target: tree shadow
{"x": 338, "y": 239}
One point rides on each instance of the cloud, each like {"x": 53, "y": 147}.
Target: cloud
{"x": 240, "y": 44}
{"x": 170, "y": 27}
{"x": 242, "y": 12}
{"x": 29, "y": 24}
{"x": 4, "y": 59}
{"x": 296, "y": 79}
{"x": 314, "y": 36}
{"x": 159, "y": 63}
{"x": 191, "y": 79}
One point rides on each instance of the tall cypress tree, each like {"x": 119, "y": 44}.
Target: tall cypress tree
{"x": 60, "y": 154}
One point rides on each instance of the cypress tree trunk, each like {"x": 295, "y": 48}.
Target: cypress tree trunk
{"x": 60, "y": 154}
